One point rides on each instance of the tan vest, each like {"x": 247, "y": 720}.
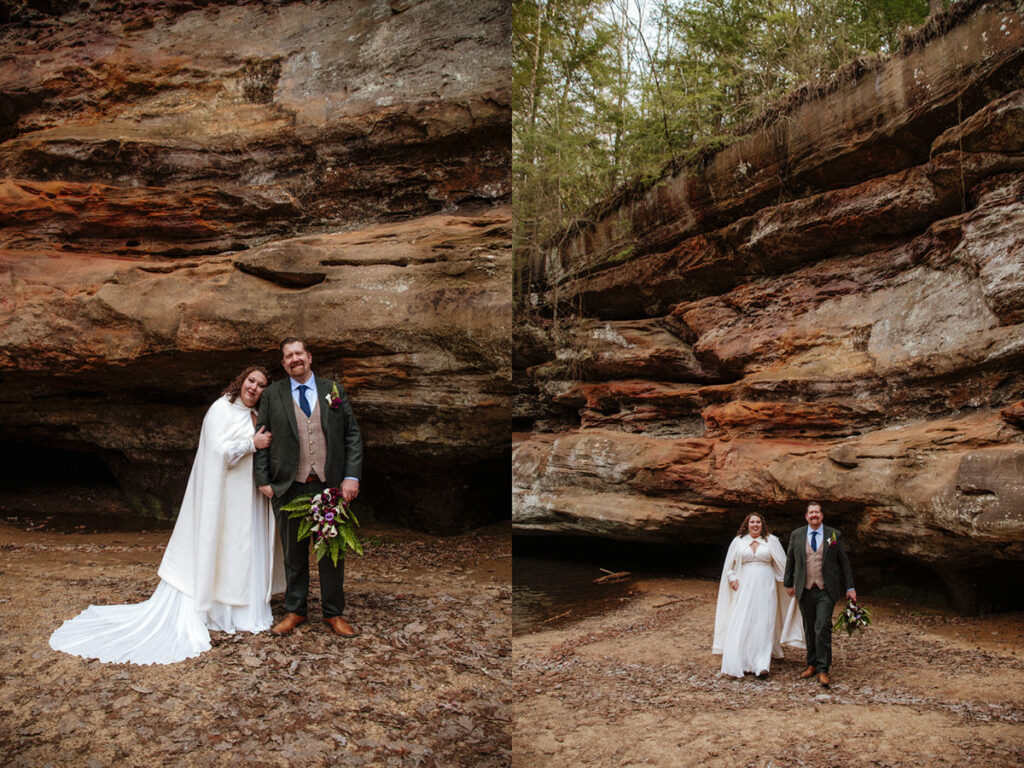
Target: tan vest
{"x": 312, "y": 443}
{"x": 814, "y": 577}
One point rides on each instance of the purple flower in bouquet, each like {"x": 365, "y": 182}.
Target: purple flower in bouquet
{"x": 328, "y": 520}
{"x": 854, "y": 618}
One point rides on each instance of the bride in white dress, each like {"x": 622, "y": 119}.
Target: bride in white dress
{"x": 222, "y": 562}
{"x": 755, "y": 616}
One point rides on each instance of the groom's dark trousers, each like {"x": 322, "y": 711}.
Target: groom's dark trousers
{"x": 296, "y": 560}
{"x": 816, "y": 610}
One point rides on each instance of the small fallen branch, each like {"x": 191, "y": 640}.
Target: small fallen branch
{"x": 559, "y": 616}
{"x": 669, "y": 602}
{"x": 612, "y": 577}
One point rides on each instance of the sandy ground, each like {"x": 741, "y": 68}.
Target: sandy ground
{"x": 427, "y": 684}
{"x": 638, "y": 686}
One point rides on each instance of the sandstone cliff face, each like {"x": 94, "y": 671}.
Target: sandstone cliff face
{"x": 832, "y": 308}
{"x": 175, "y": 129}
{"x": 184, "y": 184}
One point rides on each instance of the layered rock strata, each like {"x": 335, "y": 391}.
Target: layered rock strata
{"x": 197, "y": 128}
{"x": 185, "y": 184}
{"x": 832, "y": 308}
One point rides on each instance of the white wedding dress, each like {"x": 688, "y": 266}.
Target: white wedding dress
{"x": 755, "y": 620}
{"x": 221, "y": 565}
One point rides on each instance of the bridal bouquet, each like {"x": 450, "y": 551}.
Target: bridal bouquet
{"x": 329, "y": 520}
{"x": 853, "y": 619}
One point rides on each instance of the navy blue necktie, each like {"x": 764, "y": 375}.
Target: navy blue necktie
{"x": 303, "y": 402}
{"x": 814, "y": 541}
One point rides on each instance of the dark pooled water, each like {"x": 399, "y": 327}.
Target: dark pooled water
{"x": 552, "y": 576}
{"x": 74, "y": 508}
{"x": 546, "y": 592}
{"x": 85, "y": 523}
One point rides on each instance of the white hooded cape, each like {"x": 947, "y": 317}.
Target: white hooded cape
{"x": 209, "y": 553}
{"x": 220, "y": 568}
{"x": 788, "y": 623}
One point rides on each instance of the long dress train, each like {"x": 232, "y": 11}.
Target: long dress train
{"x": 754, "y": 621}
{"x": 220, "y": 567}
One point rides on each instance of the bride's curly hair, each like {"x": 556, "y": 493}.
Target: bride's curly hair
{"x": 765, "y": 531}
{"x": 234, "y": 389}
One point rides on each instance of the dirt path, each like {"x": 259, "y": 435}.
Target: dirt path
{"x": 638, "y": 687}
{"x": 427, "y": 684}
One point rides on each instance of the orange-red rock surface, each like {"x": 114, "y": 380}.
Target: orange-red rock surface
{"x": 830, "y": 309}
{"x": 184, "y": 184}
{"x": 202, "y": 127}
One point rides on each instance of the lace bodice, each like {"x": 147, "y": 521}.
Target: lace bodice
{"x": 763, "y": 556}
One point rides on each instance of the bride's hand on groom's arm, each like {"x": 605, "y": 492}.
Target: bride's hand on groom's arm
{"x": 262, "y": 439}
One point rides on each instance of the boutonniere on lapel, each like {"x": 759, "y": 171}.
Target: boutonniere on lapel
{"x": 832, "y": 541}
{"x": 333, "y": 397}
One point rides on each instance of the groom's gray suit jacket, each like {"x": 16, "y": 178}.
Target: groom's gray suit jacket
{"x": 276, "y": 466}
{"x": 833, "y": 559}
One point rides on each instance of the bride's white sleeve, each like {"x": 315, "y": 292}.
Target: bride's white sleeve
{"x": 236, "y": 450}
{"x": 228, "y": 432}
{"x": 731, "y": 569}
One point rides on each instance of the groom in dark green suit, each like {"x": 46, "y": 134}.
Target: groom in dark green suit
{"x": 814, "y": 560}
{"x": 316, "y": 445}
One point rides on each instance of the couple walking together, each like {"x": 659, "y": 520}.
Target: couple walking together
{"x": 769, "y": 598}
{"x": 232, "y": 547}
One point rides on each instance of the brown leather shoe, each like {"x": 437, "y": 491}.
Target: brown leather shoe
{"x": 809, "y": 672}
{"x": 341, "y": 627}
{"x": 823, "y": 679}
{"x": 288, "y": 624}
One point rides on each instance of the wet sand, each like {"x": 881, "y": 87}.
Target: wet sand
{"x": 426, "y": 684}
{"x": 639, "y": 686}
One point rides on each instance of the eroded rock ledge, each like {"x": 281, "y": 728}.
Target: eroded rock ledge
{"x": 830, "y": 309}
{"x": 198, "y": 128}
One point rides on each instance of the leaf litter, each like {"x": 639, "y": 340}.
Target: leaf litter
{"x": 426, "y": 684}
{"x": 638, "y": 685}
